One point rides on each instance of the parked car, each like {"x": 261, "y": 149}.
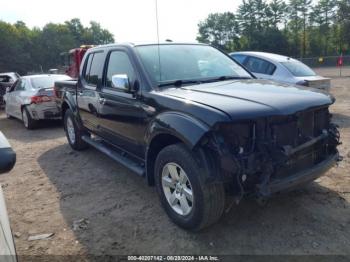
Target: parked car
{"x": 31, "y": 99}
{"x": 7, "y": 161}
{"x": 6, "y": 81}
{"x": 281, "y": 68}
{"x": 197, "y": 125}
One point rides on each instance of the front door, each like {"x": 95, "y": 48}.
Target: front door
{"x": 122, "y": 117}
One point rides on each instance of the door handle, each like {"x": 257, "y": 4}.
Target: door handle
{"x": 102, "y": 101}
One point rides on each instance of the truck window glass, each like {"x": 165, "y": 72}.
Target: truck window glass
{"x": 260, "y": 66}
{"x": 119, "y": 63}
{"x": 96, "y": 68}
{"x": 87, "y": 67}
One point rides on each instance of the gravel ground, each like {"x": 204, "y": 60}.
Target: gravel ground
{"x": 95, "y": 206}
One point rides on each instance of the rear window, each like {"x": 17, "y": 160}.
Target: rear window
{"x": 46, "y": 82}
{"x": 298, "y": 69}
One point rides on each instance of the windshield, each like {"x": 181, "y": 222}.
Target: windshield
{"x": 298, "y": 69}
{"x": 187, "y": 62}
{"x": 46, "y": 81}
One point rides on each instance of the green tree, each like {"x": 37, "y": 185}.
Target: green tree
{"x": 34, "y": 50}
{"x": 304, "y": 10}
{"x": 278, "y": 11}
{"x": 323, "y": 16}
{"x": 220, "y": 30}
{"x": 95, "y": 35}
{"x": 343, "y": 20}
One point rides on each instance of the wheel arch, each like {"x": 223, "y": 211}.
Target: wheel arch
{"x": 171, "y": 128}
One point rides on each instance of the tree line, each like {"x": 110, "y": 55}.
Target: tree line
{"x": 298, "y": 28}
{"x": 26, "y": 50}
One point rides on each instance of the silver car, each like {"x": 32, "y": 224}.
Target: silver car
{"x": 31, "y": 99}
{"x": 281, "y": 68}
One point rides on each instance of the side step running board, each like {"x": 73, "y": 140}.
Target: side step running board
{"x": 128, "y": 163}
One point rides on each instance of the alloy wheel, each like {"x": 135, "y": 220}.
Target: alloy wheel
{"x": 177, "y": 189}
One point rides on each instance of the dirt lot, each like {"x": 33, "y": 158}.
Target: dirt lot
{"x": 53, "y": 186}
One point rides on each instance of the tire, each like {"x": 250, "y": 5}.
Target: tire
{"x": 208, "y": 201}
{"x": 28, "y": 121}
{"x": 73, "y": 133}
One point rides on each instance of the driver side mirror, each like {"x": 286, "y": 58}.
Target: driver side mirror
{"x": 8, "y": 89}
{"x": 121, "y": 82}
{"x": 7, "y": 155}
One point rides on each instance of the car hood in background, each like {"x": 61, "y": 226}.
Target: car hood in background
{"x": 249, "y": 99}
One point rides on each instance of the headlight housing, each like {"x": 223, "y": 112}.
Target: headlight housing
{"x": 240, "y": 137}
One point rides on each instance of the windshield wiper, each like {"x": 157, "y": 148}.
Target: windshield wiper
{"x": 179, "y": 83}
{"x": 224, "y": 78}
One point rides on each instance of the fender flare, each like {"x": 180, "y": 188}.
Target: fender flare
{"x": 186, "y": 128}
{"x": 178, "y": 125}
{"x": 70, "y": 100}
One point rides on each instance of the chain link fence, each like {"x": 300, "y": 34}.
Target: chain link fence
{"x": 327, "y": 65}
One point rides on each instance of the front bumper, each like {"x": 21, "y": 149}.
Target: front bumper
{"x": 303, "y": 176}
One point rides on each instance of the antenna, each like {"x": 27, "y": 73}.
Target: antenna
{"x": 160, "y": 71}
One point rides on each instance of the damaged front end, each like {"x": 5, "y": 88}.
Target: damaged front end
{"x": 273, "y": 154}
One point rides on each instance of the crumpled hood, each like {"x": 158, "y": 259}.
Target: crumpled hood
{"x": 248, "y": 99}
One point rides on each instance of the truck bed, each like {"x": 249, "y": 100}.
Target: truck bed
{"x": 61, "y": 87}
{"x": 64, "y": 86}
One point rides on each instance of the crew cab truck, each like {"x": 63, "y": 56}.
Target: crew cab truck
{"x": 197, "y": 125}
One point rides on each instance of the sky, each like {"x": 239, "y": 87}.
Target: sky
{"x": 127, "y": 20}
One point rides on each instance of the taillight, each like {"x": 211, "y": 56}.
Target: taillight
{"x": 40, "y": 99}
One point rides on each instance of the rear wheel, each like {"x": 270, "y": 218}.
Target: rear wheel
{"x": 187, "y": 199}
{"x": 6, "y": 112}
{"x": 73, "y": 133}
{"x": 28, "y": 121}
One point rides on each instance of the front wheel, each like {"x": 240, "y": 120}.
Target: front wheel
{"x": 73, "y": 133}
{"x": 187, "y": 199}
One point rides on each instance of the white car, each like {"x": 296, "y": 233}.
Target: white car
{"x": 31, "y": 99}
{"x": 281, "y": 68}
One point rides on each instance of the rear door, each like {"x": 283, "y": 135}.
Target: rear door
{"x": 121, "y": 116}
{"x": 88, "y": 98}
{"x": 261, "y": 68}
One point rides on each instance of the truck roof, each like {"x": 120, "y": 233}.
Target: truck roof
{"x": 130, "y": 44}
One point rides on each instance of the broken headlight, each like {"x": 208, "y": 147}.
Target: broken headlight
{"x": 240, "y": 137}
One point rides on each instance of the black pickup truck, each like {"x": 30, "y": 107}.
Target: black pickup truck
{"x": 197, "y": 125}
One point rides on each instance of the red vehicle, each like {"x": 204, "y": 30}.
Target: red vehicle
{"x": 71, "y": 60}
